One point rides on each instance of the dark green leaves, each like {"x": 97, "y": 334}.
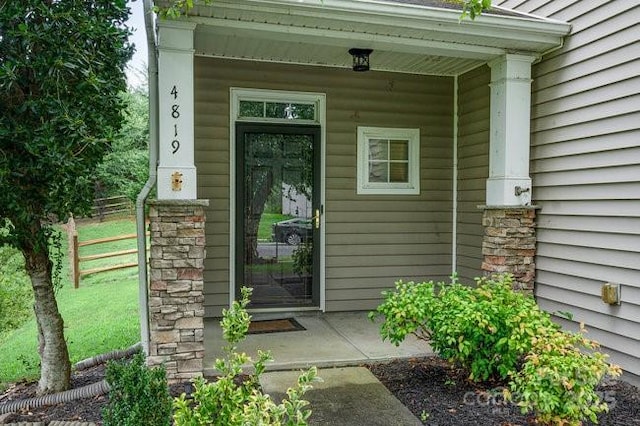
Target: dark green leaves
{"x": 139, "y": 395}
{"x": 61, "y": 72}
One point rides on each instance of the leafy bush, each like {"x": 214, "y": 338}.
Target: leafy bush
{"x": 559, "y": 377}
{"x": 487, "y": 329}
{"x": 139, "y": 395}
{"x": 16, "y": 295}
{"x": 497, "y": 332}
{"x": 235, "y": 400}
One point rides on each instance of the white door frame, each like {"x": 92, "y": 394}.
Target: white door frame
{"x": 241, "y": 94}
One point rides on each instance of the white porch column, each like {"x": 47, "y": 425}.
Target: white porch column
{"x": 509, "y": 183}
{"x": 176, "y": 169}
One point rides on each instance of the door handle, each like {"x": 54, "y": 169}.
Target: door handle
{"x": 316, "y": 219}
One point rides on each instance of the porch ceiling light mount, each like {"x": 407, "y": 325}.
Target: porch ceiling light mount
{"x": 360, "y": 59}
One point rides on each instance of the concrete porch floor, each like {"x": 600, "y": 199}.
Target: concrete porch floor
{"x": 335, "y": 339}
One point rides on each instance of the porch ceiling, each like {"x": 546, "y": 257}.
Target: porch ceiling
{"x": 406, "y": 37}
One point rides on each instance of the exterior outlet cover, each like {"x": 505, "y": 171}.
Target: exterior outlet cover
{"x": 611, "y": 293}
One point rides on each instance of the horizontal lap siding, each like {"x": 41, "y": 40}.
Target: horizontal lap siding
{"x": 586, "y": 170}
{"x": 473, "y": 168}
{"x": 371, "y": 241}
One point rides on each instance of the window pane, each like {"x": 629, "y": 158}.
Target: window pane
{"x": 251, "y": 109}
{"x": 399, "y": 150}
{"x": 276, "y": 110}
{"x": 304, "y": 111}
{"x": 399, "y": 172}
{"x": 378, "y": 172}
{"x": 378, "y": 149}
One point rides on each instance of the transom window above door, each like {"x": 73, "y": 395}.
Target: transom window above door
{"x": 273, "y": 106}
{"x": 282, "y": 110}
{"x": 388, "y": 161}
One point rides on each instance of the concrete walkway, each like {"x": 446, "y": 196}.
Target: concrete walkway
{"x": 348, "y": 396}
{"x": 338, "y": 344}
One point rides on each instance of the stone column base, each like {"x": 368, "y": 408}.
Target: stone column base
{"x": 509, "y": 244}
{"x": 176, "y": 299}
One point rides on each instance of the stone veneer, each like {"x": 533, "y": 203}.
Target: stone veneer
{"x": 509, "y": 244}
{"x": 176, "y": 299}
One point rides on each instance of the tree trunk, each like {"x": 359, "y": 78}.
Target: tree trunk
{"x": 55, "y": 368}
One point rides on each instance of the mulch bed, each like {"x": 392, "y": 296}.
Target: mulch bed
{"x": 82, "y": 410}
{"x": 444, "y": 393}
{"x": 428, "y": 385}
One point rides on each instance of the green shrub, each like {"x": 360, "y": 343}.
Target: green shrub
{"x": 139, "y": 395}
{"x": 559, "y": 377}
{"x": 486, "y": 329}
{"x": 16, "y": 295}
{"x": 497, "y": 332}
{"x": 235, "y": 400}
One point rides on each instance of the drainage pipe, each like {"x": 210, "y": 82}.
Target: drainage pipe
{"x": 102, "y": 358}
{"x": 89, "y": 391}
{"x": 146, "y": 190}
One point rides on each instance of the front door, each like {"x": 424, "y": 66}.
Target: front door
{"x": 278, "y": 214}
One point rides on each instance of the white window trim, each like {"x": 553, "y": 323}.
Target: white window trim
{"x": 364, "y": 186}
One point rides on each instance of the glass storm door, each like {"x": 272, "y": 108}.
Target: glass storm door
{"x": 278, "y": 214}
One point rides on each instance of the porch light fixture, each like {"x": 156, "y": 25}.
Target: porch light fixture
{"x": 360, "y": 59}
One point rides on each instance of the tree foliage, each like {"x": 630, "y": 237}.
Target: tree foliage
{"x": 60, "y": 74}
{"x": 61, "y": 70}
{"x": 134, "y": 133}
{"x": 125, "y": 168}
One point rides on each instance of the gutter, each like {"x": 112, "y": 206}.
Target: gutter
{"x": 524, "y": 27}
{"x": 143, "y": 278}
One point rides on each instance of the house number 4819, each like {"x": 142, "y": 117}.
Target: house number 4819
{"x": 175, "y": 114}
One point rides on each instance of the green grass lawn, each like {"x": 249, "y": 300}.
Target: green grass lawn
{"x": 100, "y": 316}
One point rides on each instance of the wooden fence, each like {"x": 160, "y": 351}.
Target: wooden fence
{"x": 109, "y": 206}
{"x": 76, "y": 259}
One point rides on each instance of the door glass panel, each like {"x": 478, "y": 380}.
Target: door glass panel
{"x": 277, "y": 226}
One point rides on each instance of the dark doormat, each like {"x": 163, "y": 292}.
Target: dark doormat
{"x": 275, "y": 326}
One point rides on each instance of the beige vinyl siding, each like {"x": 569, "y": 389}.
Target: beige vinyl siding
{"x": 473, "y": 168}
{"x": 371, "y": 241}
{"x": 586, "y": 170}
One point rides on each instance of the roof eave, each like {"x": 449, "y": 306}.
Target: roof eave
{"x": 540, "y": 33}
